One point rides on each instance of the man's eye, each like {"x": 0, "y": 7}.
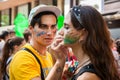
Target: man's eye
{"x": 53, "y": 26}
{"x": 43, "y": 26}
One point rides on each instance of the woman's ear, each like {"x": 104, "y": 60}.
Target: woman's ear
{"x": 15, "y": 47}
{"x": 83, "y": 34}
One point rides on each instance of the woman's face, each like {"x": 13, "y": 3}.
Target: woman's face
{"x": 17, "y": 47}
{"x": 71, "y": 35}
{"x": 22, "y": 44}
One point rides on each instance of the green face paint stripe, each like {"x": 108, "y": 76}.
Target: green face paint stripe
{"x": 69, "y": 41}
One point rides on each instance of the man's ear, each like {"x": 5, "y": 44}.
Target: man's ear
{"x": 30, "y": 28}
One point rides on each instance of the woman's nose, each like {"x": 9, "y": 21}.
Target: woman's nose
{"x": 61, "y": 32}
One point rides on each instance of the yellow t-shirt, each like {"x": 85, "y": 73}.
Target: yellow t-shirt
{"x": 24, "y": 65}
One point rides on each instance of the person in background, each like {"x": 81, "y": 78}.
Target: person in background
{"x": 114, "y": 51}
{"x": 0, "y": 37}
{"x": 11, "y": 33}
{"x": 10, "y": 48}
{"x": 4, "y": 36}
{"x": 117, "y": 42}
{"x": 86, "y": 32}
{"x": 1, "y": 46}
{"x": 27, "y": 35}
{"x": 34, "y": 62}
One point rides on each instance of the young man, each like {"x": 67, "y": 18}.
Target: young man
{"x": 24, "y": 65}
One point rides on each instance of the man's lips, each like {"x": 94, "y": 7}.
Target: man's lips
{"x": 48, "y": 39}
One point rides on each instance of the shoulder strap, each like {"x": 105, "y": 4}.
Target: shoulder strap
{"x": 42, "y": 75}
{"x": 9, "y": 60}
{"x": 6, "y": 76}
{"x": 87, "y": 68}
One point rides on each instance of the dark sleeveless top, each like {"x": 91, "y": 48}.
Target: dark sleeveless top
{"x": 87, "y": 68}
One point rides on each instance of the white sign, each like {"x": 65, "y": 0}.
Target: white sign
{"x": 66, "y": 7}
{"x": 98, "y": 4}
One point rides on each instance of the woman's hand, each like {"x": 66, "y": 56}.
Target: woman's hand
{"x": 58, "y": 50}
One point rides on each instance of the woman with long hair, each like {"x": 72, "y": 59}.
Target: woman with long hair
{"x": 86, "y": 32}
{"x": 11, "y": 46}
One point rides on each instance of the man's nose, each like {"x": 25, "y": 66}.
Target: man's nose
{"x": 50, "y": 31}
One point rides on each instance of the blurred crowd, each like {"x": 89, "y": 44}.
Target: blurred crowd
{"x": 9, "y": 45}
{"x": 78, "y": 50}
{"x": 9, "y": 34}
{"x": 71, "y": 61}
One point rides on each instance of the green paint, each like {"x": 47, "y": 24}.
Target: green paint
{"x": 69, "y": 40}
{"x": 21, "y": 23}
{"x": 60, "y": 22}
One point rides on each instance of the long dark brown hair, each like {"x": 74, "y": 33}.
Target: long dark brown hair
{"x": 7, "y": 51}
{"x": 98, "y": 42}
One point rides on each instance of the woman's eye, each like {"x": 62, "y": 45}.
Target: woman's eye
{"x": 66, "y": 27}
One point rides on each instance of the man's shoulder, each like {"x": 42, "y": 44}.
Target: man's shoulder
{"x": 23, "y": 54}
{"x": 22, "y": 58}
{"x": 22, "y": 51}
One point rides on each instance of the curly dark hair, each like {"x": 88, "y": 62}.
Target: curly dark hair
{"x": 118, "y": 45}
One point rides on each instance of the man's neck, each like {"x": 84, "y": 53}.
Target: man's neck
{"x": 39, "y": 48}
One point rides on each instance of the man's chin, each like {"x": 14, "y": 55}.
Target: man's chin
{"x": 48, "y": 44}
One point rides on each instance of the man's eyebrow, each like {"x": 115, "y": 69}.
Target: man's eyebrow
{"x": 54, "y": 24}
{"x": 43, "y": 24}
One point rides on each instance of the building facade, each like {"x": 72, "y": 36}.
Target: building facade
{"x": 112, "y": 16}
{"x": 10, "y": 8}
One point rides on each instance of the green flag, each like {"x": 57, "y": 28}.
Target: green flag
{"x": 60, "y": 22}
{"x": 21, "y": 23}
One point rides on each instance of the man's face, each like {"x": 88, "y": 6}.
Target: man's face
{"x": 44, "y": 33}
{"x": 12, "y": 34}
